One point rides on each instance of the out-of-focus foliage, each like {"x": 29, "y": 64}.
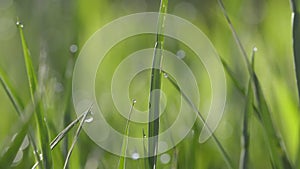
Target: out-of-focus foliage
{"x": 55, "y": 32}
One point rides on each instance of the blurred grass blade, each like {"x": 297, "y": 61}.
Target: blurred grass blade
{"x": 232, "y": 77}
{"x": 76, "y": 137}
{"x": 277, "y": 152}
{"x": 296, "y": 49}
{"x": 8, "y": 157}
{"x": 235, "y": 35}
{"x": 192, "y": 105}
{"x": 122, "y": 161}
{"x": 14, "y": 98}
{"x": 155, "y": 86}
{"x": 244, "y": 156}
{"x": 296, "y": 38}
{"x": 174, "y": 164}
{"x": 238, "y": 86}
{"x": 16, "y": 101}
{"x": 41, "y": 124}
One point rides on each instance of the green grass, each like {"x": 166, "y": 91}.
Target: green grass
{"x": 35, "y": 94}
{"x": 46, "y": 113}
{"x": 296, "y": 43}
{"x": 277, "y": 152}
{"x": 155, "y": 86}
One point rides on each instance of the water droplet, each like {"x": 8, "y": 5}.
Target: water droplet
{"x": 133, "y": 101}
{"x": 25, "y": 143}
{"x": 180, "y": 54}
{"x": 19, "y": 24}
{"x": 135, "y": 156}
{"x": 166, "y": 75}
{"x": 89, "y": 118}
{"x": 255, "y": 49}
{"x": 73, "y": 48}
{"x": 13, "y": 137}
{"x": 165, "y": 158}
{"x": 18, "y": 157}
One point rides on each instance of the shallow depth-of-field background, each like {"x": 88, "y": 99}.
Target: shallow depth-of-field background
{"x": 56, "y": 31}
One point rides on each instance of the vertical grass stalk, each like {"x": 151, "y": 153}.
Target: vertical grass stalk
{"x": 296, "y": 49}
{"x": 245, "y": 139}
{"x": 155, "y": 86}
{"x": 39, "y": 114}
{"x": 122, "y": 161}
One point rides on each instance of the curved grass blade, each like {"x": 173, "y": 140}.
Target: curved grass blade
{"x": 122, "y": 161}
{"x": 155, "y": 86}
{"x": 296, "y": 49}
{"x": 192, "y": 105}
{"x": 41, "y": 124}
{"x": 76, "y": 137}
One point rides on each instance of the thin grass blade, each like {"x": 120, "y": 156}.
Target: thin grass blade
{"x": 41, "y": 124}
{"x": 122, "y": 161}
{"x": 14, "y": 98}
{"x": 76, "y": 137}
{"x": 278, "y": 155}
{"x": 235, "y": 35}
{"x": 155, "y": 86}
{"x": 279, "y": 159}
{"x": 192, "y": 105}
{"x": 245, "y": 140}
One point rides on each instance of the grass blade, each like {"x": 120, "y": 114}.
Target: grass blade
{"x": 63, "y": 133}
{"x": 16, "y": 101}
{"x": 235, "y": 35}
{"x": 154, "y": 106}
{"x": 76, "y": 137}
{"x": 277, "y": 151}
{"x": 42, "y": 128}
{"x": 191, "y": 104}
{"x": 122, "y": 161}
{"x": 296, "y": 38}
{"x": 244, "y": 156}
{"x": 8, "y": 157}
{"x": 18, "y": 105}
{"x": 296, "y": 42}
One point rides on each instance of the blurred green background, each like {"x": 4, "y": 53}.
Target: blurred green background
{"x": 54, "y": 29}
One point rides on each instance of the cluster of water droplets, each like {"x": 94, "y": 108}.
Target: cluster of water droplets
{"x": 19, "y": 156}
{"x": 19, "y": 24}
